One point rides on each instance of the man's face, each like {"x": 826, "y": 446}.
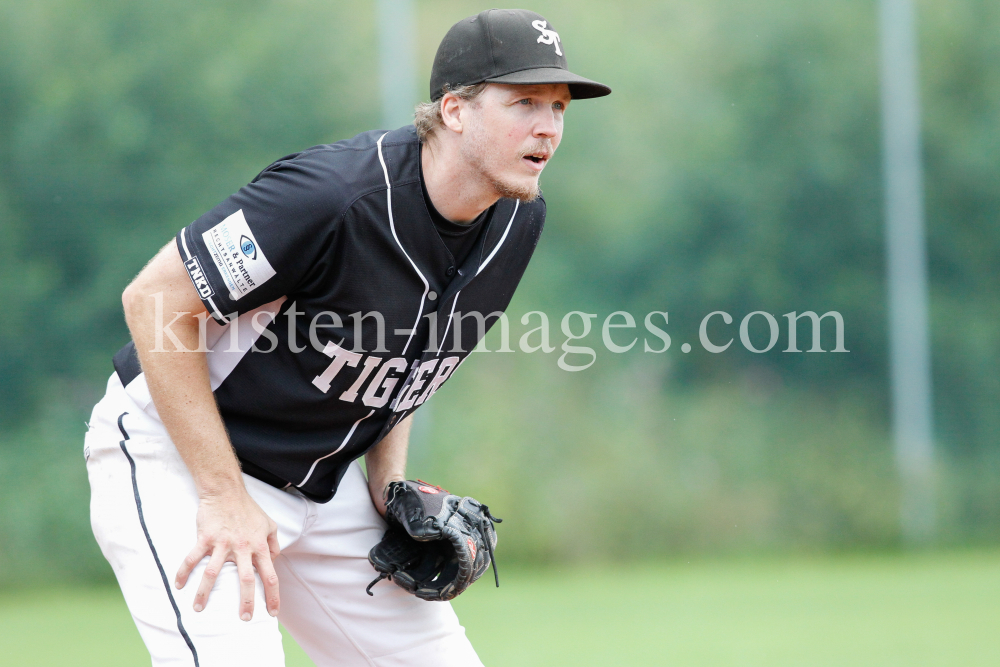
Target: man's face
{"x": 510, "y": 132}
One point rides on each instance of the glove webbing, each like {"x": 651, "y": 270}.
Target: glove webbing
{"x": 380, "y": 577}
{"x": 484, "y": 523}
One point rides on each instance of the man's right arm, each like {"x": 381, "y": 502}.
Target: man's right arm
{"x": 231, "y": 526}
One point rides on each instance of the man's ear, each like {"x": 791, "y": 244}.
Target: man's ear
{"x": 451, "y": 112}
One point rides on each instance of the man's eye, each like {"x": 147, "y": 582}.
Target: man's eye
{"x": 525, "y": 101}
{"x": 559, "y": 105}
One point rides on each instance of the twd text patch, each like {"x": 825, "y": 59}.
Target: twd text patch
{"x": 237, "y": 256}
{"x": 197, "y": 276}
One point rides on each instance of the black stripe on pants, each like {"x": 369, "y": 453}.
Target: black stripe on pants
{"x": 149, "y": 541}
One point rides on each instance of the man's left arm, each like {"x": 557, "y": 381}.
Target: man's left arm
{"x": 386, "y": 461}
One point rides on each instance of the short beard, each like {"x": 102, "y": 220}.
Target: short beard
{"x": 483, "y": 155}
{"x": 526, "y": 193}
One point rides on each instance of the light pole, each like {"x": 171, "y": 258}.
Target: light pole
{"x": 397, "y": 61}
{"x": 906, "y": 263}
{"x": 397, "y": 28}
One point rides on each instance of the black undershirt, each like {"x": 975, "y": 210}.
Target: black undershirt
{"x": 459, "y": 238}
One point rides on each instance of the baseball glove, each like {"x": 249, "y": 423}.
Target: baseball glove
{"x": 437, "y": 544}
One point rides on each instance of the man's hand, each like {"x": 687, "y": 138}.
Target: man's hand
{"x": 233, "y": 528}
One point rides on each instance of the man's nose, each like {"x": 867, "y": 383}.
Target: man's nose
{"x": 546, "y": 125}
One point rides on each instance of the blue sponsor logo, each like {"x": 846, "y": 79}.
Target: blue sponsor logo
{"x": 248, "y": 247}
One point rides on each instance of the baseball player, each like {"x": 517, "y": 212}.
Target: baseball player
{"x": 296, "y": 327}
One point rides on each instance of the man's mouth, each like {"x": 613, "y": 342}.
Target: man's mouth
{"x": 537, "y": 160}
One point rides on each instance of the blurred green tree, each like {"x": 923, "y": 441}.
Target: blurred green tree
{"x": 736, "y": 167}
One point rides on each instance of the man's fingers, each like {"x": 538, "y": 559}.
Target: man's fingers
{"x": 270, "y": 580}
{"x": 244, "y": 566}
{"x": 234, "y": 529}
{"x": 189, "y": 563}
{"x": 208, "y": 578}
{"x": 272, "y": 544}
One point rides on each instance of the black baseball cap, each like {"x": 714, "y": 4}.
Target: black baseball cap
{"x": 506, "y": 46}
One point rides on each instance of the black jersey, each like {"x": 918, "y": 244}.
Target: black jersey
{"x": 459, "y": 238}
{"x": 337, "y": 308}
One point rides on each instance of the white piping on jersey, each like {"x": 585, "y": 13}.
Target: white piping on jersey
{"x": 392, "y": 226}
{"x": 342, "y": 444}
{"x": 503, "y": 238}
{"x": 482, "y": 266}
{"x": 447, "y": 327}
{"x": 207, "y": 298}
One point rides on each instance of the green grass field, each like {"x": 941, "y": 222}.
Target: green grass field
{"x": 882, "y": 611}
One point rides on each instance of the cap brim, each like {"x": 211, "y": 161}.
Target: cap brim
{"x": 579, "y": 88}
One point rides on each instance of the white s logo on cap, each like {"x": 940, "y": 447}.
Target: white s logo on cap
{"x": 548, "y": 36}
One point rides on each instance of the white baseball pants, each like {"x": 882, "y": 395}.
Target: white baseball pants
{"x": 143, "y": 507}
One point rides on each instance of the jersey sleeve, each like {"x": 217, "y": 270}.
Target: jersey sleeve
{"x": 262, "y": 242}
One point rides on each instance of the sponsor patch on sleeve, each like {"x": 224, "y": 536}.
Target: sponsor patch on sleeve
{"x": 237, "y": 255}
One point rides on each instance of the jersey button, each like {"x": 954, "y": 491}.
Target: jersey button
{"x": 450, "y": 271}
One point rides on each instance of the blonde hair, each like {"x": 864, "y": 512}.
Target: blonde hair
{"x": 427, "y": 115}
